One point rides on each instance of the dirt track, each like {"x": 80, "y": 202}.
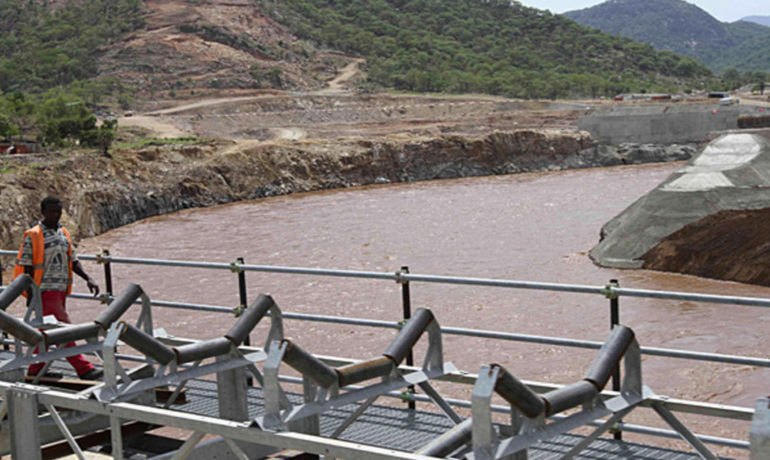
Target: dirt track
{"x": 336, "y": 112}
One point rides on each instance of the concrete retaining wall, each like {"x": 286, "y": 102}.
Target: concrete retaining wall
{"x": 660, "y": 124}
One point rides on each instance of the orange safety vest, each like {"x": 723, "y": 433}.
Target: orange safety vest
{"x": 38, "y": 256}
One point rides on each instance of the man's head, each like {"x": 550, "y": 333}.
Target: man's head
{"x": 51, "y": 207}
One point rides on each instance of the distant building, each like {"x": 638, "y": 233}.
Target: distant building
{"x": 20, "y": 146}
{"x": 719, "y": 94}
{"x": 643, "y": 97}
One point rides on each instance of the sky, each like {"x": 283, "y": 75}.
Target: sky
{"x": 725, "y": 11}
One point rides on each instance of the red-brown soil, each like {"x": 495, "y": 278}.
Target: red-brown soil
{"x": 729, "y": 245}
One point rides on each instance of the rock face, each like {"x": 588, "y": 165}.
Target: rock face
{"x": 101, "y": 194}
{"x": 731, "y": 174}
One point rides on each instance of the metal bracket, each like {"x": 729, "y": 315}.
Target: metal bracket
{"x": 235, "y": 267}
{"x": 609, "y": 292}
{"x": 103, "y": 258}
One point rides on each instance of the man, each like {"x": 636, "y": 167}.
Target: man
{"x": 47, "y": 255}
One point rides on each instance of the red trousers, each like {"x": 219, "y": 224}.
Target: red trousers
{"x": 54, "y": 304}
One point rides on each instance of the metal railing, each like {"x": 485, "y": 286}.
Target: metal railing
{"x": 611, "y": 291}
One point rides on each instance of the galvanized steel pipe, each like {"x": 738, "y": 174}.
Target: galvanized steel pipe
{"x": 250, "y": 317}
{"x": 514, "y": 284}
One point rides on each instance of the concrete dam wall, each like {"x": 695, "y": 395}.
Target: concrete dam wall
{"x": 661, "y": 124}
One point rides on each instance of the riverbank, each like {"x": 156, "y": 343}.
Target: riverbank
{"x": 103, "y": 193}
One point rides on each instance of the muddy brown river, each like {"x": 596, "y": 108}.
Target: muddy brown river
{"x": 535, "y": 227}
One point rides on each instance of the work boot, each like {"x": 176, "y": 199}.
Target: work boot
{"x": 93, "y": 374}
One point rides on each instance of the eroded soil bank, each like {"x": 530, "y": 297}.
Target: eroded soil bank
{"x": 102, "y": 193}
{"x": 728, "y": 245}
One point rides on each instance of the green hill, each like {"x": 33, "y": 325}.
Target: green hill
{"x": 488, "y": 46}
{"x": 43, "y": 46}
{"x": 456, "y": 46}
{"x": 683, "y": 28}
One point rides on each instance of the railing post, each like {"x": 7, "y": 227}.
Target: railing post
{"x": 244, "y": 303}
{"x": 107, "y": 272}
{"x": 614, "y": 321}
{"x": 406, "y": 302}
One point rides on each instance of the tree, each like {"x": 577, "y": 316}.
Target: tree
{"x": 731, "y": 77}
{"x": 101, "y": 136}
{"x": 7, "y": 129}
{"x": 64, "y": 118}
{"x": 21, "y": 112}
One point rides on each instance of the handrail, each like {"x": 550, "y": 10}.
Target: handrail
{"x": 605, "y": 290}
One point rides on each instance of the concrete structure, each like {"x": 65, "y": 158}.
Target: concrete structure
{"x": 661, "y": 124}
{"x": 731, "y": 173}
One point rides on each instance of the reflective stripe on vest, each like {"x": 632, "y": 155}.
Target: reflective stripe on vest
{"x": 38, "y": 256}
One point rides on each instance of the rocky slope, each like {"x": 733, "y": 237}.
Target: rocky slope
{"x": 189, "y": 48}
{"x": 102, "y": 193}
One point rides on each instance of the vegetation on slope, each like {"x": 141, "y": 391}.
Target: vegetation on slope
{"x": 42, "y": 47}
{"x": 683, "y": 28}
{"x": 48, "y": 61}
{"x": 487, "y": 46}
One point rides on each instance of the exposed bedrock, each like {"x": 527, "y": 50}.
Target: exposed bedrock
{"x": 101, "y": 194}
{"x": 705, "y": 219}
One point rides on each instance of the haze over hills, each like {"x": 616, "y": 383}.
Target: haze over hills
{"x": 763, "y": 20}
{"x": 683, "y": 28}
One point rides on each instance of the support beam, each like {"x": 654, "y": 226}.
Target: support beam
{"x": 23, "y": 418}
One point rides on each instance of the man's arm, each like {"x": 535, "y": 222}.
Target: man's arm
{"x": 77, "y": 267}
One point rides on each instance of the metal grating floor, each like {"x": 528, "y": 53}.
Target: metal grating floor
{"x": 405, "y": 430}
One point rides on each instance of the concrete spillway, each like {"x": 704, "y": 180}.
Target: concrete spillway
{"x": 731, "y": 173}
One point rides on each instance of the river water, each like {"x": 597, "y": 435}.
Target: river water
{"x": 535, "y": 227}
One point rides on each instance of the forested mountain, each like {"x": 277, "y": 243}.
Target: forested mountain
{"x": 683, "y": 28}
{"x": 488, "y": 46}
{"x": 763, "y": 20}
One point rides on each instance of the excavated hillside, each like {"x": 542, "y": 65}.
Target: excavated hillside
{"x": 207, "y": 47}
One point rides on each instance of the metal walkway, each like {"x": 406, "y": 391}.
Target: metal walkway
{"x": 406, "y": 430}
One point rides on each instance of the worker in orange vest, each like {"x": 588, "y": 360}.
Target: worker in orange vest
{"x": 47, "y": 255}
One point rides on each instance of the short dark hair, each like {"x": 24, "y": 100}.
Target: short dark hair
{"x": 49, "y": 200}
